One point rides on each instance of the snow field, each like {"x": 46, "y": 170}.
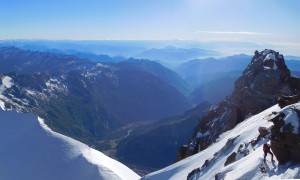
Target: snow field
{"x": 247, "y": 167}
{"x": 31, "y": 150}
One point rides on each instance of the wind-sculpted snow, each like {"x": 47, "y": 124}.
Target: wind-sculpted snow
{"x": 30, "y": 150}
{"x": 243, "y": 141}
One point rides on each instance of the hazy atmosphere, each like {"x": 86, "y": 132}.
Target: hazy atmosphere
{"x": 272, "y": 22}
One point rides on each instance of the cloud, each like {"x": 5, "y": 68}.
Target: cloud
{"x": 231, "y": 32}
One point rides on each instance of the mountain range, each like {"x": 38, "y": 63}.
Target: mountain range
{"x": 206, "y": 75}
{"x": 173, "y": 56}
{"x": 140, "y": 112}
{"x": 200, "y": 71}
{"x": 84, "y": 99}
{"x": 225, "y": 116}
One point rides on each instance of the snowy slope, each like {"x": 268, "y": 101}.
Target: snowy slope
{"x": 236, "y": 140}
{"x": 30, "y": 150}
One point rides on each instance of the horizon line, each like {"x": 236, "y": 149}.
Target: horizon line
{"x": 232, "y": 32}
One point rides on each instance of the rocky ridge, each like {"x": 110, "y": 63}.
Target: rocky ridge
{"x": 264, "y": 79}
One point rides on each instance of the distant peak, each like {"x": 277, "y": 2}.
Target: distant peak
{"x": 170, "y": 47}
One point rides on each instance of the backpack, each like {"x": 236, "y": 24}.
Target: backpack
{"x": 266, "y": 147}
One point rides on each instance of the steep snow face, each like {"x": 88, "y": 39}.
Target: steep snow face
{"x": 242, "y": 141}
{"x": 30, "y": 150}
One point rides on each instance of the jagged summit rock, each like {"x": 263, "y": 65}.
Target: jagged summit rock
{"x": 264, "y": 79}
{"x": 262, "y": 82}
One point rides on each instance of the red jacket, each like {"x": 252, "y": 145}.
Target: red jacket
{"x": 266, "y": 148}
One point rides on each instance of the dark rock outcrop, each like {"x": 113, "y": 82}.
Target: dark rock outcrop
{"x": 262, "y": 82}
{"x": 285, "y": 134}
{"x": 265, "y": 78}
{"x": 230, "y": 159}
{"x": 288, "y": 100}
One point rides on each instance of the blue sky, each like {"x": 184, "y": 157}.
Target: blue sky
{"x": 260, "y": 21}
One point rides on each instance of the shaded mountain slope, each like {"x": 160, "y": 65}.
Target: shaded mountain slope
{"x": 158, "y": 71}
{"x": 84, "y": 99}
{"x": 155, "y": 144}
{"x": 216, "y": 90}
{"x": 200, "y": 71}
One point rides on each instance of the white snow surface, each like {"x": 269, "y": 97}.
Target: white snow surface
{"x": 6, "y": 83}
{"x": 30, "y": 92}
{"x": 55, "y": 85}
{"x": 266, "y": 51}
{"x": 30, "y": 150}
{"x": 270, "y": 56}
{"x": 291, "y": 117}
{"x": 245, "y": 167}
{"x": 102, "y": 65}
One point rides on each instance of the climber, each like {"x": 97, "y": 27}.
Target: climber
{"x": 266, "y": 149}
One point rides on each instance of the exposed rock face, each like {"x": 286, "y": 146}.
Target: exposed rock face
{"x": 285, "y": 134}
{"x": 262, "y": 82}
{"x": 230, "y": 159}
{"x": 288, "y": 100}
{"x": 265, "y": 78}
